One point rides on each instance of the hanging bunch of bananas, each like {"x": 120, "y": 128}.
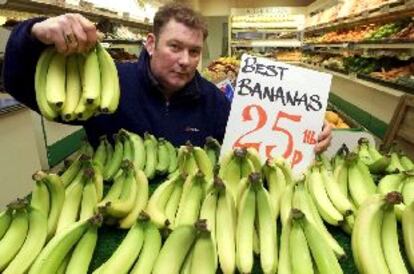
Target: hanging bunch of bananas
{"x": 77, "y": 86}
{"x": 375, "y": 245}
{"x": 188, "y": 249}
{"x": 138, "y": 250}
{"x": 69, "y": 251}
{"x": 370, "y": 156}
{"x": 399, "y": 161}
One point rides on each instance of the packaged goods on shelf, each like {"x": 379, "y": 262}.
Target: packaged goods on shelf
{"x": 221, "y": 69}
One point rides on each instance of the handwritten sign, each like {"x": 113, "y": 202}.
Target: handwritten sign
{"x": 277, "y": 109}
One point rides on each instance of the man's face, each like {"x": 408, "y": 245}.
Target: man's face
{"x": 175, "y": 54}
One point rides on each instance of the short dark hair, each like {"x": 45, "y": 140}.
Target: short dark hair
{"x": 182, "y": 14}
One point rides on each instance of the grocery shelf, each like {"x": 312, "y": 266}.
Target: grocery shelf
{"x": 353, "y": 77}
{"x": 270, "y": 30}
{"x": 267, "y": 43}
{"x": 392, "y": 11}
{"x": 363, "y": 45}
{"x": 52, "y": 8}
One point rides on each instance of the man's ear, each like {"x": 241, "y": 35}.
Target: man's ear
{"x": 150, "y": 44}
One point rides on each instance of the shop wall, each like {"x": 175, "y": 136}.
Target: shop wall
{"x": 19, "y": 157}
{"x": 213, "y": 47}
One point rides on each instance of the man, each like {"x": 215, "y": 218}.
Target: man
{"x": 162, "y": 93}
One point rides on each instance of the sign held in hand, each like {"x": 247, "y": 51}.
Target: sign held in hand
{"x": 278, "y": 109}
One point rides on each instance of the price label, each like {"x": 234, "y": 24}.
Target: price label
{"x": 278, "y": 109}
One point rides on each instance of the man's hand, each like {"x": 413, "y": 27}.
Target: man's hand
{"x": 69, "y": 33}
{"x": 324, "y": 139}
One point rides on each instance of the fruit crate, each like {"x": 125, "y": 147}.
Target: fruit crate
{"x": 110, "y": 237}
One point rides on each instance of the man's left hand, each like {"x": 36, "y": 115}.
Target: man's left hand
{"x": 324, "y": 139}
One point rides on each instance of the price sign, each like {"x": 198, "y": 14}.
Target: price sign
{"x": 277, "y": 109}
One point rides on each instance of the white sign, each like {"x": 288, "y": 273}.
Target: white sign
{"x": 278, "y": 109}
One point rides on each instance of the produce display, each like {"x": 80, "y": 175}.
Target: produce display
{"x": 335, "y": 120}
{"x": 395, "y": 31}
{"x": 76, "y": 86}
{"x": 207, "y": 213}
{"x": 221, "y": 69}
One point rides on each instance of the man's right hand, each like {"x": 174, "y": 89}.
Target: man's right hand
{"x": 69, "y": 33}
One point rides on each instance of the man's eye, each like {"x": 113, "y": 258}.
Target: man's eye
{"x": 195, "y": 52}
{"x": 174, "y": 47}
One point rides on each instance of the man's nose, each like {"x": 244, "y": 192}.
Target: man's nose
{"x": 184, "y": 59}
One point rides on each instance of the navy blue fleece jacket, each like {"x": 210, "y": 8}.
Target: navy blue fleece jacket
{"x": 197, "y": 111}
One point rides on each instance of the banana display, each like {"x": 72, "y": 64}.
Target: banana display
{"x": 209, "y": 214}
{"x": 77, "y": 86}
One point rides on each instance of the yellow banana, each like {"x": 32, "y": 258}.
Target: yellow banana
{"x": 173, "y": 202}
{"x": 40, "y": 84}
{"x": 174, "y": 250}
{"x": 71, "y": 172}
{"x": 163, "y": 157}
{"x": 203, "y": 162}
{"x": 91, "y": 79}
{"x": 33, "y": 244}
{"x": 40, "y": 198}
{"x": 286, "y": 203}
{"x": 150, "y": 250}
{"x": 113, "y": 166}
{"x": 5, "y": 220}
{"x": 82, "y": 253}
{"x": 245, "y": 227}
{"x": 73, "y": 88}
{"x": 407, "y": 222}
{"x": 110, "y": 89}
{"x": 14, "y": 238}
{"x": 208, "y": 212}
{"x": 408, "y": 189}
{"x": 55, "y": 81}
{"x": 299, "y": 253}
{"x": 276, "y": 184}
{"x": 391, "y": 182}
{"x": 204, "y": 259}
{"x": 172, "y": 155}
{"x": 212, "y": 148}
{"x": 140, "y": 200}
{"x": 89, "y": 197}
{"x": 138, "y": 148}
{"x": 127, "y": 252}
{"x": 151, "y": 155}
{"x": 284, "y": 266}
{"x": 359, "y": 188}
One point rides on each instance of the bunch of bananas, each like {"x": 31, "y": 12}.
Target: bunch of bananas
{"x": 77, "y": 86}
{"x": 375, "y": 245}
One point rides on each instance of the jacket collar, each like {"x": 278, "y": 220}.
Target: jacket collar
{"x": 188, "y": 93}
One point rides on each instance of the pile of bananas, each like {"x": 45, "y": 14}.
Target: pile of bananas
{"x": 208, "y": 213}
{"x": 77, "y": 86}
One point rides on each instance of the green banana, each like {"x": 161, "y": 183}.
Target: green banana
{"x": 189, "y": 209}
{"x": 212, "y": 148}
{"x": 231, "y": 173}
{"x": 276, "y": 184}
{"x": 33, "y": 244}
{"x": 286, "y": 202}
{"x": 322, "y": 254}
{"x": 54, "y": 253}
{"x": 91, "y": 79}
{"x": 57, "y": 199}
{"x": 407, "y": 222}
{"x": 287, "y": 170}
{"x": 391, "y": 182}
{"x": 408, "y": 189}
{"x": 55, "y": 81}
{"x": 299, "y": 253}
{"x": 73, "y": 88}
{"x": 204, "y": 259}
{"x": 157, "y": 202}
{"x": 389, "y": 239}
{"x": 245, "y": 227}
{"x": 127, "y": 252}
{"x": 174, "y": 250}
{"x": 406, "y": 162}
{"x": 151, "y": 155}
{"x": 83, "y": 251}
{"x": 203, "y": 162}
{"x": 163, "y": 157}
{"x": 14, "y": 238}
{"x": 109, "y": 155}
{"x": 186, "y": 267}
{"x": 208, "y": 212}
{"x": 323, "y": 159}
{"x": 284, "y": 265}
{"x": 114, "y": 191}
{"x": 172, "y": 155}
{"x": 42, "y": 67}
{"x": 110, "y": 89}
{"x": 225, "y": 231}
{"x": 379, "y": 165}
{"x": 363, "y": 152}
{"x": 140, "y": 200}
{"x": 267, "y": 230}
{"x": 120, "y": 207}
{"x": 375, "y": 154}
{"x": 341, "y": 177}
{"x": 150, "y": 250}
{"x": 71, "y": 206}
{"x": 359, "y": 188}
{"x": 395, "y": 164}
{"x": 89, "y": 197}
{"x": 339, "y": 200}
{"x": 138, "y": 148}
{"x": 100, "y": 153}
{"x": 5, "y": 220}
{"x": 40, "y": 198}
{"x": 113, "y": 166}
{"x": 70, "y": 173}
{"x": 173, "y": 202}
{"x": 128, "y": 154}
{"x": 366, "y": 237}
{"x": 320, "y": 197}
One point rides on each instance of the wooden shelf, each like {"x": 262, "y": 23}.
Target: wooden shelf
{"x": 49, "y": 8}
{"x": 385, "y": 13}
{"x": 363, "y": 45}
{"x": 267, "y": 43}
{"x": 352, "y": 77}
